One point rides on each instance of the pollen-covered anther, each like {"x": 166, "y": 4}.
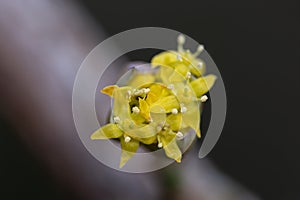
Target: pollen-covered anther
{"x": 146, "y": 90}
{"x": 160, "y": 145}
{"x": 127, "y": 139}
{"x": 116, "y": 119}
{"x": 181, "y": 39}
{"x": 200, "y": 65}
{"x": 204, "y": 98}
{"x": 135, "y": 110}
{"x": 200, "y": 48}
{"x": 138, "y": 92}
{"x": 188, "y": 75}
{"x": 174, "y": 111}
{"x": 183, "y": 109}
{"x": 171, "y": 87}
{"x": 179, "y": 135}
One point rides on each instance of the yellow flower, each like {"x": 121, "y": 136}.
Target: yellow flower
{"x": 158, "y": 107}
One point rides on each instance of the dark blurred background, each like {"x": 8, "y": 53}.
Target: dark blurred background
{"x": 255, "y": 44}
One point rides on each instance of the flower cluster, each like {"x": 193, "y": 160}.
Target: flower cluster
{"x": 161, "y": 106}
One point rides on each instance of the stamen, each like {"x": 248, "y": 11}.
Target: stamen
{"x": 171, "y": 87}
{"x": 179, "y": 135}
{"x": 183, "y": 109}
{"x": 181, "y": 39}
{"x": 138, "y": 92}
{"x": 203, "y": 98}
{"x": 200, "y": 65}
{"x": 160, "y": 145}
{"x": 127, "y": 139}
{"x": 188, "y": 75}
{"x": 146, "y": 90}
{"x": 174, "y": 111}
{"x": 180, "y": 42}
{"x": 135, "y": 109}
{"x": 199, "y": 50}
{"x": 116, "y": 119}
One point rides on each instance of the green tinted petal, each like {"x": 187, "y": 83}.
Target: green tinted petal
{"x": 128, "y": 150}
{"x": 170, "y": 146}
{"x": 106, "y": 132}
{"x": 203, "y": 84}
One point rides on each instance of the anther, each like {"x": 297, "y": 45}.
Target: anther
{"x": 174, "y": 111}
{"x": 188, "y": 75}
{"x": 127, "y": 139}
{"x": 183, "y": 109}
{"x": 160, "y": 145}
{"x": 203, "y": 98}
{"x": 181, "y": 39}
{"x": 171, "y": 87}
{"x": 135, "y": 109}
{"x": 117, "y": 119}
{"x": 179, "y": 135}
{"x": 199, "y": 50}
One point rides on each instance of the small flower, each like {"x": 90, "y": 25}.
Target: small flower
{"x": 157, "y": 108}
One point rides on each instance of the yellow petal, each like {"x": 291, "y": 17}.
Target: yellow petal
{"x": 165, "y": 73}
{"x": 109, "y": 90}
{"x": 170, "y": 146}
{"x": 138, "y": 79}
{"x": 148, "y": 141}
{"x": 164, "y": 59}
{"x": 121, "y": 103}
{"x": 144, "y": 109}
{"x": 181, "y": 69}
{"x": 157, "y": 91}
{"x": 106, "y": 132}
{"x": 184, "y": 93}
{"x": 128, "y": 150}
{"x": 168, "y": 103}
{"x": 174, "y": 121}
{"x": 136, "y": 131}
{"x": 203, "y": 84}
{"x": 191, "y": 118}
